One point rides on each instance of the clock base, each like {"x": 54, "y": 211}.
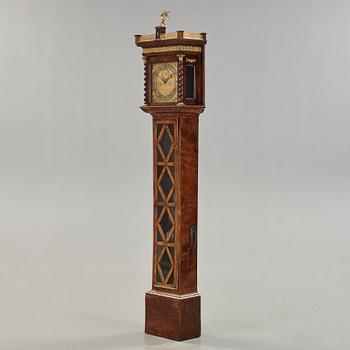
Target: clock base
{"x": 175, "y": 317}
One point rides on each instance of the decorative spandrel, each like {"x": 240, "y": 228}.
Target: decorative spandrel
{"x": 165, "y": 202}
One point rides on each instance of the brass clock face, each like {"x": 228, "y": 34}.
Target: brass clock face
{"x": 164, "y": 82}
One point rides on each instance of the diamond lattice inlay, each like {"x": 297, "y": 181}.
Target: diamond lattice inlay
{"x": 165, "y": 213}
{"x": 166, "y": 184}
{"x": 166, "y": 224}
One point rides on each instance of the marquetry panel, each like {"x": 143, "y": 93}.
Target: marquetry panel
{"x": 165, "y": 200}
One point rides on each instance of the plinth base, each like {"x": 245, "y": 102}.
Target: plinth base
{"x": 175, "y": 317}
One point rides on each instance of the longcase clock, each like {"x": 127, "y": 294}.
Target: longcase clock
{"x": 174, "y": 96}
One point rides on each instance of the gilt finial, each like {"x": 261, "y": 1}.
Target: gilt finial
{"x": 163, "y": 16}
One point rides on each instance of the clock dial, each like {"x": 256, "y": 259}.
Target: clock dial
{"x": 164, "y": 82}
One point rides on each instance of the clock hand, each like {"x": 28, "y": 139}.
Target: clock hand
{"x": 169, "y": 77}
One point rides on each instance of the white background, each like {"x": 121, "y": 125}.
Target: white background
{"x": 76, "y": 174}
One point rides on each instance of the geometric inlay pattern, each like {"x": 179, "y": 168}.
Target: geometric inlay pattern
{"x": 165, "y": 213}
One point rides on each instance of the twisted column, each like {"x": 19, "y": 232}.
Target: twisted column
{"x": 145, "y": 93}
{"x": 180, "y": 83}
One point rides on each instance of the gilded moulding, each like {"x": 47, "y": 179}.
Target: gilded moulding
{"x": 172, "y": 48}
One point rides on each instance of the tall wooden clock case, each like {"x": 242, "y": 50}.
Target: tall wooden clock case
{"x": 174, "y": 96}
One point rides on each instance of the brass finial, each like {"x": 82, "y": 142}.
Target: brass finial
{"x": 163, "y": 16}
